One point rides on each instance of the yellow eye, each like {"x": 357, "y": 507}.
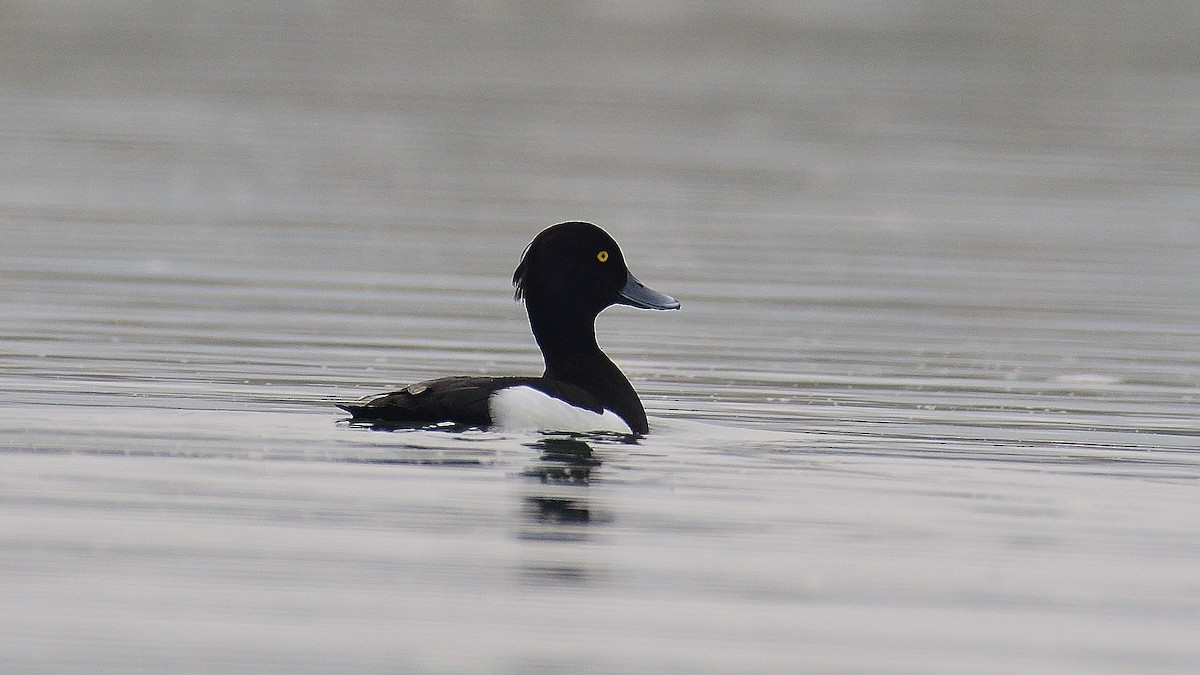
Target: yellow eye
{"x": 602, "y": 256}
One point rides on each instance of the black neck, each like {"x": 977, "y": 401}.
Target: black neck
{"x": 568, "y": 343}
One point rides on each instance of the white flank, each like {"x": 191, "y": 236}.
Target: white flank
{"x": 527, "y": 408}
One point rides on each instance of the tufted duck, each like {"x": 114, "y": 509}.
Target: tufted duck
{"x": 569, "y": 273}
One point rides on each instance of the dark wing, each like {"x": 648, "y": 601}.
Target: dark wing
{"x": 462, "y": 400}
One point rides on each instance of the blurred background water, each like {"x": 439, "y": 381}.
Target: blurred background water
{"x": 931, "y": 404}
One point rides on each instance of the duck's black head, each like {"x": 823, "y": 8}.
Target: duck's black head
{"x": 577, "y": 267}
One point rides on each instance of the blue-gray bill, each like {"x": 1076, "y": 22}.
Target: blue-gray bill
{"x": 637, "y": 294}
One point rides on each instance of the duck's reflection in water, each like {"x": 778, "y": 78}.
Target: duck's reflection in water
{"x": 565, "y": 460}
{"x": 556, "y": 507}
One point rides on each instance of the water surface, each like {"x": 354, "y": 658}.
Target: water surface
{"x": 930, "y": 405}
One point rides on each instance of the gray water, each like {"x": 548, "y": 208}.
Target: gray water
{"x": 932, "y": 403}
